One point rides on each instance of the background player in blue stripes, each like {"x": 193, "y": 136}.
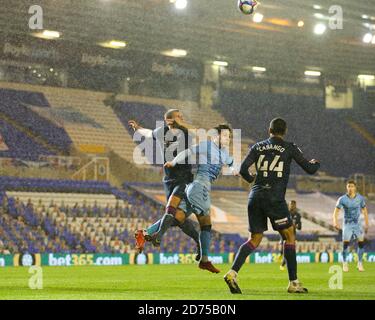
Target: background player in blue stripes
{"x": 353, "y": 205}
{"x": 272, "y": 159}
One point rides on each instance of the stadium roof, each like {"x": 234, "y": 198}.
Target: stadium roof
{"x": 214, "y": 30}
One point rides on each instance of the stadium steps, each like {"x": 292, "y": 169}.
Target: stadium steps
{"x": 202, "y": 118}
{"x": 111, "y": 135}
{"x": 234, "y": 203}
{"x": 122, "y": 170}
{"x": 37, "y": 138}
{"x": 196, "y": 117}
{"x": 229, "y": 211}
{"x": 7, "y": 169}
{"x": 362, "y": 131}
{"x": 324, "y": 221}
{"x": 90, "y": 104}
{"x": 45, "y": 198}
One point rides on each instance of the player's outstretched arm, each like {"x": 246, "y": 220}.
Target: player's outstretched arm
{"x": 147, "y": 133}
{"x": 180, "y": 158}
{"x": 365, "y": 213}
{"x": 234, "y": 171}
{"x": 246, "y": 164}
{"x": 365, "y": 216}
{"x": 335, "y": 218}
{"x": 229, "y": 162}
{"x": 180, "y": 124}
{"x": 134, "y": 125}
{"x": 299, "y": 222}
{"x": 309, "y": 167}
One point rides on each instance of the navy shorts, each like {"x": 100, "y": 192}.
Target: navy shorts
{"x": 175, "y": 188}
{"x": 259, "y": 209}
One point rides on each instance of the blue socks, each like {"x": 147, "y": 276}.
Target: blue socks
{"x": 205, "y": 239}
{"x": 188, "y": 228}
{"x": 345, "y": 251}
{"x": 360, "y": 251}
{"x": 154, "y": 228}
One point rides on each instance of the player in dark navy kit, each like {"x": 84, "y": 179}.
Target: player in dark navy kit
{"x": 172, "y": 138}
{"x": 272, "y": 159}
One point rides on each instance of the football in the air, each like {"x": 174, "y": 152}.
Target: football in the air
{"x": 247, "y": 6}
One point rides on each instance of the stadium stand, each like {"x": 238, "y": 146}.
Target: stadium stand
{"x": 364, "y": 128}
{"x": 18, "y": 145}
{"x": 24, "y": 97}
{"x": 90, "y": 125}
{"x": 16, "y": 107}
{"x": 229, "y": 210}
{"x": 94, "y": 127}
{"x": 93, "y": 124}
{"x": 78, "y": 216}
{"x": 250, "y": 111}
{"x": 147, "y": 114}
{"x": 235, "y": 204}
{"x": 90, "y": 216}
{"x": 368, "y": 124}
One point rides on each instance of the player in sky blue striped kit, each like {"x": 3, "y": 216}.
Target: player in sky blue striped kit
{"x": 212, "y": 156}
{"x": 353, "y": 204}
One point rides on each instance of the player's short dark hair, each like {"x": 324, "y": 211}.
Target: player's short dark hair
{"x": 351, "y": 182}
{"x": 293, "y": 201}
{"x": 169, "y": 114}
{"x": 278, "y": 126}
{"x": 222, "y": 127}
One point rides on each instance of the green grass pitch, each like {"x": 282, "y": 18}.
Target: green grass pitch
{"x": 176, "y": 282}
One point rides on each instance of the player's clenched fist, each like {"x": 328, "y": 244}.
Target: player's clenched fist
{"x": 133, "y": 124}
{"x": 168, "y": 164}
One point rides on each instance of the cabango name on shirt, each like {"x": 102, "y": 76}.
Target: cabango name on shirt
{"x": 271, "y": 147}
